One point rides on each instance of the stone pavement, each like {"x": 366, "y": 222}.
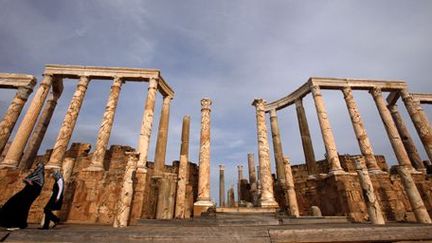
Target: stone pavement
{"x": 177, "y": 231}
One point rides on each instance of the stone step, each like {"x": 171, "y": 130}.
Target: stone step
{"x": 246, "y": 210}
{"x": 315, "y": 220}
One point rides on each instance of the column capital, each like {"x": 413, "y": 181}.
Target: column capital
{"x": 299, "y": 102}
{"x": 347, "y": 91}
{"x": 375, "y": 92}
{"x": 259, "y": 104}
{"x": 153, "y": 83}
{"x": 273, "y": 113}
{"x": 47, "y": 80}
{"x": 206, "y": 104}
{"x": 118, "y": 81}
{"x": 221, "y": 167}
{"x": 316, "y": 90}
{"x": 24, "y": 92}
{"x": 167, "y": 99}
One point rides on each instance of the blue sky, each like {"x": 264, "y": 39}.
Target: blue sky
{"x": 230, "y": 51}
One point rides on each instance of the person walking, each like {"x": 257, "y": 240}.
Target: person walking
{"x": 14, "y": 213}
{"x": 55, "y": 202}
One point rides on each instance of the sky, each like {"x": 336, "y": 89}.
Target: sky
{"x": 229, "y": 51}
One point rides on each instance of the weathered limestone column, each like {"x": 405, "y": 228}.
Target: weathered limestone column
{"x": 68, "y": 125}
{"x": 306, "y": 138}
{"x": 326, "y": 130}
{"x": 124, "y": 204}
{"x": 252, "y": 171}
{"x": 162, "y": 139}
{"x": 16, "y": 149}
{"x": 407, "y": 140}
{"x": 360, "y": 131}
{"x": 266, "y": 180}
{"x": 414, "y": 197}
{"x": 221, "y": 186}
{"x": 12, "y": 114}
{"x": 166, "y": 196}
{"x": 231, "y": 200}
{"x": 105, "y": 127}
{"x": 180, "y": 208}
{"x": 374, "y": 209}
{"x": 240, "y": 177}
{"x": 146, "y": 124}
{"x": 38, "y": 134}
{"x": 203, "y": 201}
{"x": 67, "y": 168}
{"x": 277, "y": 146}
{"x": 290, "y": 189}
{"x": 391, "y": 129}
{"x": 420, "y": 120}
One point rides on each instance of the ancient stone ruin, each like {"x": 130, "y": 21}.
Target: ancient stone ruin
{"x": 119, "y": 186}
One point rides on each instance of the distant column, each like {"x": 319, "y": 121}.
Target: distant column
{"x": 326, "y": 130}
{"x": 252, "y": 172}
{"x": 391, "y": 129}
{"x": 16, "y": 149}
{"x": 105, "y": 127}
{"x": 360, "y": 131}
{"x": 420, "y": 120}
{"x": 12, "y": 114}
{"x": 38, "y": 134}
{"x": 240, "y": 177}
{"x": 290, "y": 189}
{"x": 407, "y": 140}
{"x": 221, "y": 186}
{"x": 68, "y": 125}
{"x": 266, "y": 180}
{"x": 180, "y": 208}
{"x": 146, "y": 124}
{"x": 203, "y": 201}
{"x": 277, "y": 146}
{"x": 306, "y": 138}
{"x": 162, "y": 139}
{"x": 374, "y": 209}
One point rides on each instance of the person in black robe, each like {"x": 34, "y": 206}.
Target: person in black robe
{"x": 14, "y": 213}
{"x": 55, "y": 201}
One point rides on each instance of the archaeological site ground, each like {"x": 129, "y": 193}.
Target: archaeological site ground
{"x": 116, "y": 194}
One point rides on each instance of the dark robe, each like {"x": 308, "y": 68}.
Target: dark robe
{"x": 52, "y": 204}
{"x": 15, "y": 211}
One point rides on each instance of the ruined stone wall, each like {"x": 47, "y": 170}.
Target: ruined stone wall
{"x": 91, "y": 196}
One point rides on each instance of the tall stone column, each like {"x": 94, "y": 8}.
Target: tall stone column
{"x": 391, "y": 129}
{"x": 162, "y": 139}
{"x": 290, "y": 189}
{"x": 180, "y": 209}
{"x": 326, "y": 130}
{"x": 203, "y": 201}
{"x": 407, "y": 140}
{"x": 221, "y": 186}
{"x": 240, "y": 177}
{"x": 266, "y": 180}
{"x": 420, "y": 120}
{"x": 374, "y": 209}
{"x": 124, "y": 205}
{"x": 146, "y": 124}
{"x": 306, "y": 138}
{"x": 277, "y": 146}
{"x": 38, "y": 134}
{"x": 68, "y": 124}
{"x": 12, "y": 114}
{"x": 414, "y": 197}
{"x": 360, "y": 131}
{"x": 105, "y": 127}
{"x": 16, "y": 149}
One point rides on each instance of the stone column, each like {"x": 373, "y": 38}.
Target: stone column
{"x": 290, "y": 189}
{"x": 16, "y": 149}
{"x": 391, "y": 129}
{"x": 221, "y": 186}
{"x": 266, "y": 180}
{"x": 407, "y": 140}
{"x": 231, "y": 199}
{"x": 146, "y": 124}
{"x": 326, "y": 130}
{"x": 240, "y": 177}
{"x": 162, "y": 139}
{"x": 203, "y": 201}
{"x": 306, "y": 138}
{"x": 414, "y": 197}
{"x": 253, "y": 179}
{"x": 68, "y": 125}
{"x": 124, "y": 204}
{"x": 360, "y": 131}
{"x": 180, "y": 209}
{"x": 420, "y": 120}
{"x": 105, "y": 127}
{"x": 277, "y": 146}
{"x": 374, "y": 209}
{"x": 38, "y": 134}
{"x": 12, "y": 114}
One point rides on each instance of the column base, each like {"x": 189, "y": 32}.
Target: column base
{"x": 336, "y": 172}
{"x": 376, "y": 171}
{"x": 268, "y": 203}
{"x": 51, "y": 166}
{"x": 200, "y": 207}
{"x": 94, "y": 168}
{"x": 9, "y": 164}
